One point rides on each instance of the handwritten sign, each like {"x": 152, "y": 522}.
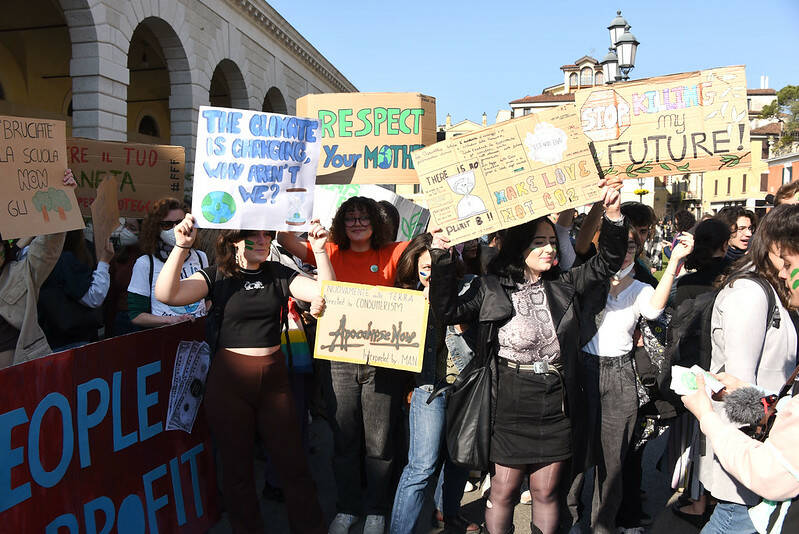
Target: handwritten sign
{"x": 254, "y": 170}
{"x": 84, "y": 447}
{"x": 382, "y": 326}
{"x": 328, "y": 198}
{"x": 33, "y": 158}
{"x": 691, "y": 122}
{"x": 144, "y": 173}
{"x": 508, "y": 174}
{"x": 105, "y": 213}
{"x": 368, "y": 138}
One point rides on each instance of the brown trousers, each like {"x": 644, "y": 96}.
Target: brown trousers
{"x": 245, "y": 394}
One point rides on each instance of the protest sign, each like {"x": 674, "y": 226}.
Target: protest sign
{"x": 105, "y": 213}
{"x": 144, "y": 173}
{"x": 33, "y": 159}
{"x": 382, "y": 326}
{"x": 682, "y": 123}
{"x": 84, "y": 447}
{"x": 327, "y": 199}
{"x": 508, "y": 174}
{"x": 368, "y": 138}
{"x": 254, "y": 170}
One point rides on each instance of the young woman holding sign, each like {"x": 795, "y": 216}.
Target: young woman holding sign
{"x": 248, "y": 385}
{"x": 529, "y": 331}
{"x": 364, "y": 399}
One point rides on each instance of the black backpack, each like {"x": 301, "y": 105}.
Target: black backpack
{"x": 688, "y": 340}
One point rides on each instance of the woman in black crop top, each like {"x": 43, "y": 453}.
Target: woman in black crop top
{"x": 248, "y": 385}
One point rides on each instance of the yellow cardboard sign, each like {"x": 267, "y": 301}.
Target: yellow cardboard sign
{"x": 508, "y": 174}
{"x": 368, "y": 138}
{"x": 682, "y": 123}
{"x": 33, "y": 159}
{"x": 144, "y": 173}
{"x": 375, "y": 325}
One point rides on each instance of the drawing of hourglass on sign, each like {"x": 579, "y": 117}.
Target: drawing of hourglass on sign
{"x": 470, "y": 205}
{"x": 296, "y": 197}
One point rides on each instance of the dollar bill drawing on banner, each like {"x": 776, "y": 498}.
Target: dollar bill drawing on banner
{"x": 189, "y": 383}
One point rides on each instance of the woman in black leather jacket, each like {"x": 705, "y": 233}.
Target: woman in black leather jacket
{"x": 529, "y": 329}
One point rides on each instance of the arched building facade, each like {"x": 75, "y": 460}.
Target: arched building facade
{"x": 139, "y": 70}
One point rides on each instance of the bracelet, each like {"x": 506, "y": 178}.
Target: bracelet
{"x": 181, "y": 246}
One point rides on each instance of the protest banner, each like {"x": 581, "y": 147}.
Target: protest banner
{"x": 105, "y": 213}
{"x": 327, "y": 199}
{"x": 144, "y": 173}
{"x": 677, "y": 124}
{"x": 33, "y": 159}
{"x": 508, "y": 174}
{"x": 254, "y": 170}
{"x": 368, "y": 138}
{"x": 83, "y": 446}
{"x": 382, "y": 326}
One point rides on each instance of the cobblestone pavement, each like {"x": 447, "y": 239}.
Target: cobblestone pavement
{"x": 656, "y": 487}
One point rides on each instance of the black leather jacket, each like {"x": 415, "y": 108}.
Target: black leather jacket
{"x": 490, "y": 304}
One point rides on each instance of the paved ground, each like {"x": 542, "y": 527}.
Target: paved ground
{"x": 655, "y": 485}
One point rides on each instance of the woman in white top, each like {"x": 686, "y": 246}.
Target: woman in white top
{"x": 609, "y": 376}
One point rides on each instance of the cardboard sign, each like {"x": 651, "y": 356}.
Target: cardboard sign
{"x": 84, "y": 447}
{"x": 683, "y": 123}
{"x": 508, "y": 174}
{"x": 144, "y": 173}
{"x": 33, "y": 159}
{"x": 328, "y": 198}
{"x": 254, "y": 170}
{"x": 382, "y": 326}
{"x": 105, "y": 213}
{"x": 368, "y": 138}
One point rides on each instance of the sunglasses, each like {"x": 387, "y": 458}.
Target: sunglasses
{"x": 168, "y": 225}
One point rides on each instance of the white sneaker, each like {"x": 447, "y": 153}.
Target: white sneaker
{"x": 342, "y": 523}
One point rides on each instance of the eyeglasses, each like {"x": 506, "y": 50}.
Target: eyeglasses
{"x": 168, "y": 225}
{"x": 363, "y": 220}
{"x": 744, "y": 228}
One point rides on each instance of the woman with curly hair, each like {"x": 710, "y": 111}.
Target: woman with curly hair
{"x": 360, "y": 397}
{"x": 156, "y": 240}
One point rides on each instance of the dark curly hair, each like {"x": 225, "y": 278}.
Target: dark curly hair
{"x": 779, "y": 227}
{"x": 381, "y": 227}
{"x": 730, "y": 214}
{"x": 226, "y": 249}
{"x": 510, "y": 260}
{"x": 150, "y": 231}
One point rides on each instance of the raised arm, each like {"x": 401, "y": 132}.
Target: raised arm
{"x": 448, "y": 306}
{"x": 294, "y": 245}
{"x": 684, "y": 247}
{"x": 587, "y": 230}
{"x": 308, "y": 289}
{"x": 169, "y": 288}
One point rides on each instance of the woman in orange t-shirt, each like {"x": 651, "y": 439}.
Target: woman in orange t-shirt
{"x": 362, "y": 251}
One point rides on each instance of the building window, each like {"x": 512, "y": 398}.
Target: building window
{"x": 786, "y": 174}
{"x": 729, "y": 184}
{"x": 2, "y": 93}
{"x": 764, "y": 181}
{"x": 716, "y": 188}
{"x": 527, "y": 111}
{"x": 764, "y": 149}
{"x": 148, "y": 126}
{"x": 417, "y": 189}
{"x": 586, "y": 77}
{"x": 743, "y": 186}
{"x": 598, "y": 78}
{"x": 573, "y": 79}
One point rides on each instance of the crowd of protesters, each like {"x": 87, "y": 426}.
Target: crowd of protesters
{"x": 565, "y": 313}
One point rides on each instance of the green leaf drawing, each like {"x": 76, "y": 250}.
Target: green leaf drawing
{"x": 406, "y": 228}
{"x": 684, "y": 167}
{"x": 665, "y": 166}
{"x": 634, "y": 172}
{"x": 731, "y": 160}
{"x": 609, "y": 171}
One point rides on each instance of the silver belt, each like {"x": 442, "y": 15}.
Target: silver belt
{"x": 540, "y": 368}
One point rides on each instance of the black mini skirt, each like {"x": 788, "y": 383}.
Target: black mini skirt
{"x": 530, "y": 426}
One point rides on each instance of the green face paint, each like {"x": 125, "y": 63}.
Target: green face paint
{"x": 248, "y": 245}
{"x": 795, "y": 283}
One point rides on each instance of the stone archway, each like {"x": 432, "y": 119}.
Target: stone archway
{"x": 227, "y": 86}
{"x": 274, "y": 102}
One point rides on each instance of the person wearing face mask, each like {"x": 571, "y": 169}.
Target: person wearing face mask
{"x": 126, "y": 251}
{"x": 247, "y": 389}
{"x": 156, "y": 240}
{"x": 608, "y": 373}
{"x": 528, "y": 331}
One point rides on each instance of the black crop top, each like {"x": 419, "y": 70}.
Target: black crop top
{"x": 252, "y": 314}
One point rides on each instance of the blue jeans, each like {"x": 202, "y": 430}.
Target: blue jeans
{"x": 729, "y": 518}
{"x": 426, "y": 453}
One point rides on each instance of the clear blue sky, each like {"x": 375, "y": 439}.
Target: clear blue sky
{"x": 478, "y": 56}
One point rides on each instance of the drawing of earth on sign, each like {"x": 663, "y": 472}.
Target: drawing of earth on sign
{"x": 470, "y": 205}
{"x": 218, "y": 207}
{"x": 546, "y": 144}
{"x": 384, "y": 157}
{"x": 189, "y": 308}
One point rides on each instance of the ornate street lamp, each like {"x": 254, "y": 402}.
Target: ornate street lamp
{"x": 610, "y": 67}
{"x": 626, "y": 48}
{"x": 616, "y": 28}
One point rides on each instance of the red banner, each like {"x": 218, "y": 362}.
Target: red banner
{"x": 83, "y": 446}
